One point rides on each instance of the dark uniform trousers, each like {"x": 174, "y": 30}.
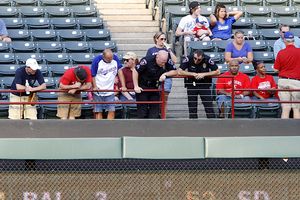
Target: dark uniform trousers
{"x": 148, "y": 110}
{"x": 206, "y": 97}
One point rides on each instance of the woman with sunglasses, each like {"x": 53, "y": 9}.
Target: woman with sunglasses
{"x": 160, "y": 44}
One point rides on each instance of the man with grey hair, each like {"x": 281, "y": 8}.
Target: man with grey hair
{"x": 279, "y": 44}
{"x": 287, "y": 63}
{"x": 148, "y": 74}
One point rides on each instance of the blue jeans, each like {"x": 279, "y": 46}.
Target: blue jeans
{"x": 226, "y": 102}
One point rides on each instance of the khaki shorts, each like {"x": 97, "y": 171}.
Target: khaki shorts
{"x": 289, "y": 96}
{"x": 21, "y": 111}
{"x": 69, "y": 110}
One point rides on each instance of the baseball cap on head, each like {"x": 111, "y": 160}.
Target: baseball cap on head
{"x": 129, "y": 55}
{"x": 288, "y": 35}
{"x": 80, "y": 73}
{"x": 198, "y": 21}
{"x": 32, "y": 63}
{"x": 194, "y": 4}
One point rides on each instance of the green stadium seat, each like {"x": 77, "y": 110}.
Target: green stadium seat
{"x": 54, "y": 11}
{"x": 6, "y": 12}
{"x": 284, "y": 11}
{"x": 14, "y": 23}
{"x": 23, "y": 47}
{"x": 31, "y": 11}
{"x": 49, "y": 46}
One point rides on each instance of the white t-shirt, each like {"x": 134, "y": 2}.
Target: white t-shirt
{"x": 105, "y": 77}
{"x": 188, "y": 23}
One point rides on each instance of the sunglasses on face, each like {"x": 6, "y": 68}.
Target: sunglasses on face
{"x": 164, "y": 39}
{"x": 197, "y": 59}
{"x": 126, "y": 60}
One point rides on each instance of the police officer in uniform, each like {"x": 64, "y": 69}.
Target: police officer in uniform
{"x": 200, "y": 67}
{"x": 149, "y": 73}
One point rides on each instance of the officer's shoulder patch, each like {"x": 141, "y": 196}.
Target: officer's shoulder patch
{"x": 211, "y": 62}
{"x": 185, "y": 60}
{"x": 170, "y": 62}
{"x": 143, "y": 62}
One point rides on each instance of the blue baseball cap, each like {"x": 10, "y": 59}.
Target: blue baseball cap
{"x": 288, "y": 35}
{"x": 198, "y": 21}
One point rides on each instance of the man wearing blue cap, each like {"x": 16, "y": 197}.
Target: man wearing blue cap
{"x": 279, "y": 44}
{"x": 287, "y": 64}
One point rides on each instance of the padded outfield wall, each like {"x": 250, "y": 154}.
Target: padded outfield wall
{"x": 150, "y": 159}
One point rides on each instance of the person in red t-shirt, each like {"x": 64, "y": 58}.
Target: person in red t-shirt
{"x": 287, "y": 64}
{"x": 224, "y": 86}
{"x": 201, "y": 31}
{"x": 262, "y": 81}
{"x": 73, "y": 80}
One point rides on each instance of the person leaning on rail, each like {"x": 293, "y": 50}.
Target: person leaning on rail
{"x": 25, "y": 79}
{"x": 148, "y": 74}
{"x": 74, "y": 79}
{"x": 287, "y": 64}
{"x": 201, "y": 67}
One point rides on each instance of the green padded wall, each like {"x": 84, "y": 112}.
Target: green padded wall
{"x": 163, "y": 147}
{"x": 60, "y": 148}
{"x": 252, "y": 147}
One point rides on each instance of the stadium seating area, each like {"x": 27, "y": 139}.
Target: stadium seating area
{"x": 58, "y": 34}
{"x": 64, "y": 33}
{"x": 259, "y": 22}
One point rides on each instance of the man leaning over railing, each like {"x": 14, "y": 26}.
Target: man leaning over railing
{"x": 73, "y": 80}
{"x": 147, "y": 75}
{"x": 25, "y": 79}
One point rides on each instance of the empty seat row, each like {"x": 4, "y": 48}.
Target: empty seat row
{"x": 59, "y": 35}
{"x": 50, "y": 11}
{"x": 58, "y": 58}
{"x": 43, "y": 47}
{"x": 44, "y": 2}
{"x": 54, "y": 23}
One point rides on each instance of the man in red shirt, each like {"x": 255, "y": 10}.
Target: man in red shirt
{"x": 73, "y": 80}
{"x": 224, "y": 86}
{"x": 287, "y": 64}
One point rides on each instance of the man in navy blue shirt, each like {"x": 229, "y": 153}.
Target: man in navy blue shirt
{"x": 25, "y": 79}
{"x": 148, "y": 75}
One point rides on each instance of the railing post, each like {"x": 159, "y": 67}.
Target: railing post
{"x": 232, "y": 97}
{"x": 163, "y": 104}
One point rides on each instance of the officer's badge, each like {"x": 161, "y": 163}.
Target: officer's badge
{"x": 204, "y": 65}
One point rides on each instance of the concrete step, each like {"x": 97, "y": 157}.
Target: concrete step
{"x": 119, "y": 12}
{"x": 133, "y": 47}
{"x": 133, "y": 40}
{"x": 133, "y": 23}
{"x": 121, "y": 5}
{"x": 118, "y": 1}
{"x": 125, "y": 17}
{"x": 133, "y": 35}
{"x": 133, "y": 29}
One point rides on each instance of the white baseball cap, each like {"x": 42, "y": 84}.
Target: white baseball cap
{"x": 32, "y": 63}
